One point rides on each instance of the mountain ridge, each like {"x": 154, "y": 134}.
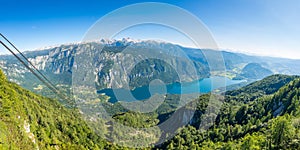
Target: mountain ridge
{"x": 58, "y": 63}
{"x": 270, "y": 121}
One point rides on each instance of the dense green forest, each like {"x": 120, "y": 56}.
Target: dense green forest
{"x": 29, "y": 121}
{"x": 262, "y": 115}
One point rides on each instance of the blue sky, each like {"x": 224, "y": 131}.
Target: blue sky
{"x": 261, "y": 27}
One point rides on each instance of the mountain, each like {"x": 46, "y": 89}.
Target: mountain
{"x": 235, "y": 62}
{"x": 121, "y": 62}
{"x": 267, "y": 86}
{"x": 110, "y": 65}
{"x": 269, "y": 121}
{"x": 254, "y": 71}
{"x": 30, "y": 121}
{"x": 262, "y": 115}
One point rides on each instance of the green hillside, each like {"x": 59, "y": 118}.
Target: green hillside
{"x": 262, "y": 115}
{"x": 254, "y": 71}
{"x": 270, "y": 121}
{"x": 267, "y": 86}
{"x": 29, "y": 121}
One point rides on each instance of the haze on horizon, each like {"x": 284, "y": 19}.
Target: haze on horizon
{"x": 268, "y": 28}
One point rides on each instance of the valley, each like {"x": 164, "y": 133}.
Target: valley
{"x": 150, "y": 75}
{"x": 252, "y": 106}
{"x": 58, "y": 64}
{"x": 249, "y": 117}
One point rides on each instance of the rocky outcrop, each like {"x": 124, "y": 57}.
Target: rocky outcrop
{"x": 112, "y": 64}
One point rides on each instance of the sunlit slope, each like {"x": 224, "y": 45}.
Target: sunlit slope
{"x": 29, "y": 121}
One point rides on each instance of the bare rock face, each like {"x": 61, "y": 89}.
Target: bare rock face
{"x": 108, "y": 64}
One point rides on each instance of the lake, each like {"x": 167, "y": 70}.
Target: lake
{"x": 141, "y": 93}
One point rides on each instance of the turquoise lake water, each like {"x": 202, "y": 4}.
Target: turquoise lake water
{"x": 141, "y": 93}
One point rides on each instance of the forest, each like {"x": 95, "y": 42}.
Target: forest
{"x": 261, "y": 115}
